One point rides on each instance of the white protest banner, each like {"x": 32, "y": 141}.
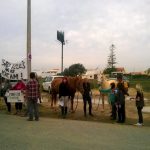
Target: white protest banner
{"x": 14, "y": 71}
{"x": 15, "y": 96}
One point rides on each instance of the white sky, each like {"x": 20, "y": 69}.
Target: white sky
{"x": 90, "y": 27}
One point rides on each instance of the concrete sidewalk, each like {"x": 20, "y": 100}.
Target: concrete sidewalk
{"x": 60, "y": 134}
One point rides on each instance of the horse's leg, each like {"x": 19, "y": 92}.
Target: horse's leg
{"x": 52, "y": 100}
{"x": 103, "y": 98}
{"x": 72, "y": 102}
{"x": 55, "y": 100}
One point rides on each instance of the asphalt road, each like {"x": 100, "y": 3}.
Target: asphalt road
{"x": 60, "y": 134}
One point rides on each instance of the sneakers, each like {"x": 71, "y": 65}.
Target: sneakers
{"x": 139, "y": 124}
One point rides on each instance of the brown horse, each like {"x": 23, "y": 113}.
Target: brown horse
{"x": 75, "y": 84}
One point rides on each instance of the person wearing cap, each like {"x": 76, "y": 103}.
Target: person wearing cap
{"x": 64, "y": 96}
{"x": 139, "y": 99}
{"x": 120, "y": 98}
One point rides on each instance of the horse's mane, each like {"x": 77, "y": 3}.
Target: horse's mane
{"x": 105, "y": 83}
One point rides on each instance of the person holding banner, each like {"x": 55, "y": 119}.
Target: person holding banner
{"x": 7, "y": 86}
{"x": 32, "y": 95}
{"x": 19, "y": 86}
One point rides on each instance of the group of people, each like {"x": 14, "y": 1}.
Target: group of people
{"x": 31, "y": 91}
{"x": 5, "y": 87}
{"x": 116, "y": 98}
{"x": 64, "y": 96}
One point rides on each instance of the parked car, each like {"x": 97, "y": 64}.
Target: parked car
{"x": 46, "y": 85}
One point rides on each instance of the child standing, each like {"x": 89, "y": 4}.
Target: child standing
{"x": 111, "y": 92}
{"x": 139, "y": 104}
{"x": 112, "y": 99}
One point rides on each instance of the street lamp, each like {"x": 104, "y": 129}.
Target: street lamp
{"x": 60, "y": 38}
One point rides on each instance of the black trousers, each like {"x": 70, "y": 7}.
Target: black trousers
{"x": 140, "y": 114}
{"x": 85, "y": 100}
{"x": 121, "y": 113}
{"x": 18, "y": 106}
{"x": 7, "y": 104}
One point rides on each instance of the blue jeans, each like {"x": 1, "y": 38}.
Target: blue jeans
{"x": 33, "y": 109}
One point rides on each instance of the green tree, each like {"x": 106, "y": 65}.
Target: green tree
{"x": 111, "y": 61}
{"x": 74, "y": 70}
{"x": 112, "y": 57}
{"x": 147, "y": 71}
{"x": 109, "y": 70}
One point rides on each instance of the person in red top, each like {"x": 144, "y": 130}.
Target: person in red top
{"x": 32, "y": 95}
{"x": 19, "y": 86}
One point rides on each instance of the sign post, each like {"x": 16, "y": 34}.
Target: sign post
{"x": 60, "y": 38}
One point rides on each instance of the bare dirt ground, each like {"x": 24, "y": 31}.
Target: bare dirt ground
{"x": 99, "y": 115}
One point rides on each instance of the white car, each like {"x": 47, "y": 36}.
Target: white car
{"x": 46, "y": 85}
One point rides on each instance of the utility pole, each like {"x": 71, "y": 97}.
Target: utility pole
{"x": 28, "y": 38}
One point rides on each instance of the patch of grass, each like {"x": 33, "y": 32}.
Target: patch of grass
{"x": 145, "y": 84}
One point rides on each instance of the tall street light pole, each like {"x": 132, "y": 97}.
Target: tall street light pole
{"x": 61, "y": 39}
{"x": 28, "y": 38}
{"x": 62, "y": 65}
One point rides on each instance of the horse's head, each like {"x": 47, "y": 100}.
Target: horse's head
{"x": 79, "y": 84}
{"x": 105, "y": 82}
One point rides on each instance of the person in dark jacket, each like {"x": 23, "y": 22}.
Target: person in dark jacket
{"x": 139, "y": 104}
{"x": 120, "y": 98}
{"x": 64, "y": 96}
{"x": 87, "y": 97}
{"x": 7, "y": 86}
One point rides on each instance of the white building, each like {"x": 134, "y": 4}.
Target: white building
{"x": 50, "y": 72}
{"x": 93, "y": 74}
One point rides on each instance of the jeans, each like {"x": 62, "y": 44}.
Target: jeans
{"x": 33, "y": 108}
{"x": 121, "y": 113}
{"x": 140, "y": 114}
